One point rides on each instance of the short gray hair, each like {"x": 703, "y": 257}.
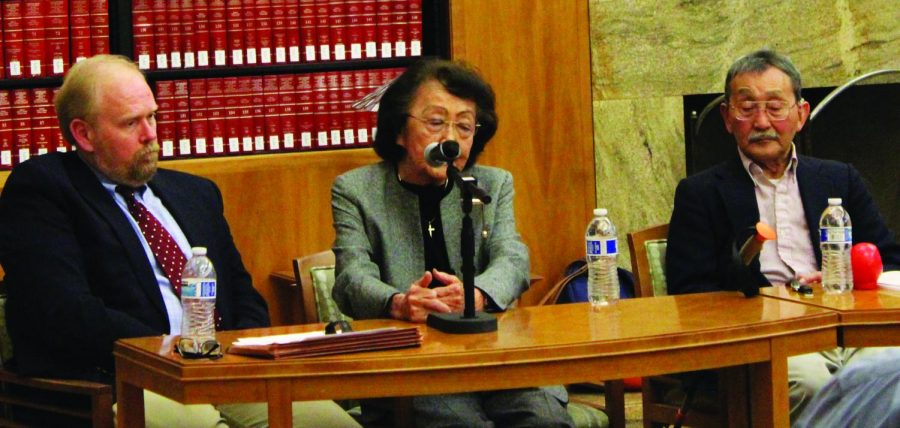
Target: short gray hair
{"x": 760, "y": 61}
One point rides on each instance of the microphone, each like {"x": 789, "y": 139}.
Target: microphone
{"x": 437, "y": 154}
{"x": 738, "y": 272}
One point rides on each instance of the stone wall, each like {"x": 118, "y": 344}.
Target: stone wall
{"x": 646, "y": 54}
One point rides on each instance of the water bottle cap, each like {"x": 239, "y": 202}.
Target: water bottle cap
{"x": 600, "y": 212}
{"x": 834, "y": 201}
{"x": 198, "y": 251}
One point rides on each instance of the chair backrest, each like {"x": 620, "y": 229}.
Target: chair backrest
{"x": 315, "y": 276}
{"x": 645, "y": 258}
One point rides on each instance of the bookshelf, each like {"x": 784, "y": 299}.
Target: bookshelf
{"x": 324, "y": 130}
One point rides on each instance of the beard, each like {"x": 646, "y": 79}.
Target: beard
{"x": 139, "y": 170}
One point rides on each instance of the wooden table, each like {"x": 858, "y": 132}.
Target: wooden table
{"x": 541, "y": 345}
{"x": 867, "y": 317}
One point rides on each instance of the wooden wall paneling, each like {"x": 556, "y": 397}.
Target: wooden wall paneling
{"x": 536, "y": 56}
{"x": 278, "y": 208}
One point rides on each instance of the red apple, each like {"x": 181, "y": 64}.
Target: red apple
{"x": 866, "y": 262}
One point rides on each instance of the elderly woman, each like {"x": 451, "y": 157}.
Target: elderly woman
{"x": 397, "y": 224}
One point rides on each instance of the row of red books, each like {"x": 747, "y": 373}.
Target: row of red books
{"x": 28, "y": 125}
{"x": 42, "y": 37}
{"x": 208, "y": 33}
{"x": 265, "y": 114}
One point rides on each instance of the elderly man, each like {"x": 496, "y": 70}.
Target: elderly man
{"x": 768, "y": 181}
{"x": 82, "y": 236}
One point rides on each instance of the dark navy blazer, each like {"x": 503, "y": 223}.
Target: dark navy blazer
{"x": 717, "y": 207}
{"x": 78, "y": 277}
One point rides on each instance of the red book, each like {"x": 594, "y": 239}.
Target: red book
{"x": 14, "y": 39}
{"x": 6, "y": 134}
{"x": 245, "y": 110}
{"x": 232, "y": 115}
{"x": 34, "y": 35}
{"x": 292, "y": 18}
{"x": 79, "y": 30}
{"x": 215, "y": 107}
{"x": 182, "y": 118}
{"x": 218, "y": 33}
{"x": 400, "y": 22}
{"x": 337, "y": 18}
{"x": 2, "y": 48}
{"x": 306, "y": 115}
{"x": 335, "y": 112}
{"x": 264, "y": 30}
{"x": 271, "y": 112}
{"x": 188, "y": 37}
{"x": 384, "y": 21}
{"x": 142, "y": 30}
{"x": 234, "y": 16}
{"x": 165, "y": 118}
{"x": 354, "y": 22}
{"x": 323, "y": 30}
{"x": 308, "y": 37}
{"x": 176, "y": 33}
{"x": 59, "y": 142}
{"x": 376, "y": 79}
{"x": 161, "y": 34}
{"x": 287, "y": 86}
{"x": 201, "y": 31}
{"x": 348, "y": 115}
{"x": 320, "y": 109}
{"x": 21, "y": 116}
{"x": 99, "y": 10}
{"x": 279, "y": 30}
{"x": 258, "y": 113}
{"x": 414, "y": 27}
{"x": 369, "y": 27}
{"x": 363, "y": 118}
{"x": 199, "y": 113}
{"x": 42, "y": 121}
{"x": 251, "y": 41}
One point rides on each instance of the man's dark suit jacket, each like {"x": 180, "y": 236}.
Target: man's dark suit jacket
{"x": 717, "y": 207}
{"x": 78, "y": 277}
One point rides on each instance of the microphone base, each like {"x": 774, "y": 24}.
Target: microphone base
{"x": 455, "y": 323}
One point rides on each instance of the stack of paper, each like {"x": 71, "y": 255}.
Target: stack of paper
{"x": 313, "y": 344}
{"x": 890, "y": 280}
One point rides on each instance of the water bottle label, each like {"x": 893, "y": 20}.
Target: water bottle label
{"x": 201, "y": 288}
{"x": 836, "y": 235}
{"x": 602, "y": 247}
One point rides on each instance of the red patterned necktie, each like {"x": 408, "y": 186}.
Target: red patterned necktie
{"x": 163, "y": 246}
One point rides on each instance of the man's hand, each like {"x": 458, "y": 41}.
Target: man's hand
{"x": 810, "y": 278}
{"x": 417, "y": 302}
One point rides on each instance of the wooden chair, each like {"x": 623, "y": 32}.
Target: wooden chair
{"x": 302, "y": 268}
{"x": 29, "y": 401}
{"x": 663, "y": 395}
{"x": 613, "y": 390}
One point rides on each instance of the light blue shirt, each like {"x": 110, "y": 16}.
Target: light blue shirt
{"x": 156, "y": 207}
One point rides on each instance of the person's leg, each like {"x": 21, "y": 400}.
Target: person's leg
{"x": 161, "y": 412}
{"x": 450, "y": 410}
{"x": 807, "y": 374}
{"x": 528, "y": 407}
{"x": 324, "y": 413}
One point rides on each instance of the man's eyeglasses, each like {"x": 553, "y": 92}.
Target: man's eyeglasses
{"x": 208, "y": 349}
{"x": 436, "y": 125}
{"x": 774, "y": 109}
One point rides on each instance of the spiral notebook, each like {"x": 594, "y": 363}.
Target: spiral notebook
{"x": 317, "y": 343}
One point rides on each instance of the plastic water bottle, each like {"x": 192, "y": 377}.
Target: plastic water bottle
{"x": 836, "y": 237}
{"x": 602, "y": 248}
{"x": 198, "y": 301}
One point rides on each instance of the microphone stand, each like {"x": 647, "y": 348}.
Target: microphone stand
{"x": 470, "y": 321}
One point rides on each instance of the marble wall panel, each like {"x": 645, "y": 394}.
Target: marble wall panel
{"x": 646, "y": 54}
